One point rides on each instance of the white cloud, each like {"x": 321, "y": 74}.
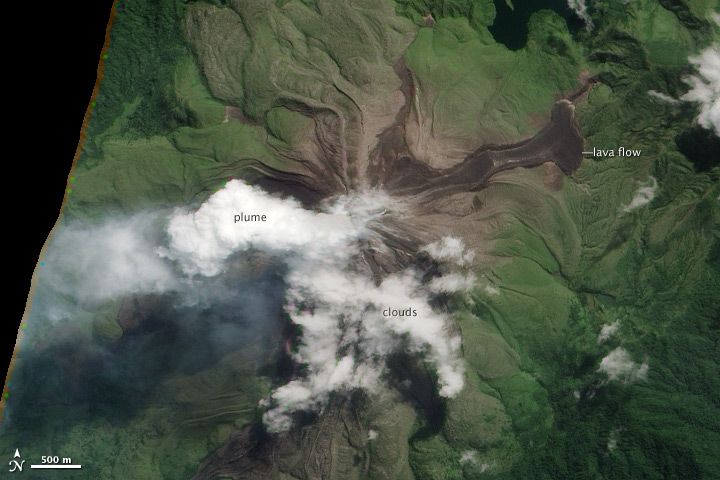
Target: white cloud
{"x": 613, "y": 438}
{"x": 663, "y": 97}
{"x": 201, "y": 241}
{"x": 492, "y": 290}
{"x": 607, "y": 331}
{"x": 372, "y": 435}
{"x": 580, "y": 9}
{"x": 452, "y": 282}
{"x": 101, "y": 262}
{"x": 350, "y": 328}
{"x": 619, "y": 366}
{"x": 468, "y": 456}
{"x": 644, "y": 195}
{"x": 705, "y": 87}
{"x": 471, "y": 457}
{"x": 349, "y": 323}
{"x": 450, "y": 249}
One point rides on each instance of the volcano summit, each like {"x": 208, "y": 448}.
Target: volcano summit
{"x": 371, "y": 240}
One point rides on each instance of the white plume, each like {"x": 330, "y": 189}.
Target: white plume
{"x": 349, "y": 323}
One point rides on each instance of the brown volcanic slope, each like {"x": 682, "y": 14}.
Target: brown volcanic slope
{"x": 559, "y": 141}
{"x": 360, "y": 120}
{"x": 391, "y": 166}
{"x": 329, "y": 446}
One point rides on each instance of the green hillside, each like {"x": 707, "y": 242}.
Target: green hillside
{"x": 298, "y": 94}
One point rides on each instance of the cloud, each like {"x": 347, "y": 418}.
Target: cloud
{"x": 607, "y": 331}
{"x": 100, "y": 281}
{"x": 102, "y": 262}
{"x": 619, "y": 366}
{"x": 468, "y": 456}
{"x": 663, "y": 97}
{"x": 705, "y": 87}
{"x": 450, "y": 249}
{"x": 580, "y": 9}
{"x": 453, "y": 282}
{"x": 349, "y": 323}
{"x": 613, "y": 438}
{"x": 644, "y": 195}
{"x": 455, "y": 262}
{"x": 349, "y": 329}
{"x": 201, "y": 241}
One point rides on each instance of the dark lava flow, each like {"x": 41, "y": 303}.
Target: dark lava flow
{"x": 392, "y": 167}
{"x": 303, "y": 452}
{"x": 559, "y": 141}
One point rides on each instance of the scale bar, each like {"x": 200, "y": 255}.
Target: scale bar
{"x": 49, "y": 466}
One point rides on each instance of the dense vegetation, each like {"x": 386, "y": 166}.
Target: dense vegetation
{"x": 190, "y": 97}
